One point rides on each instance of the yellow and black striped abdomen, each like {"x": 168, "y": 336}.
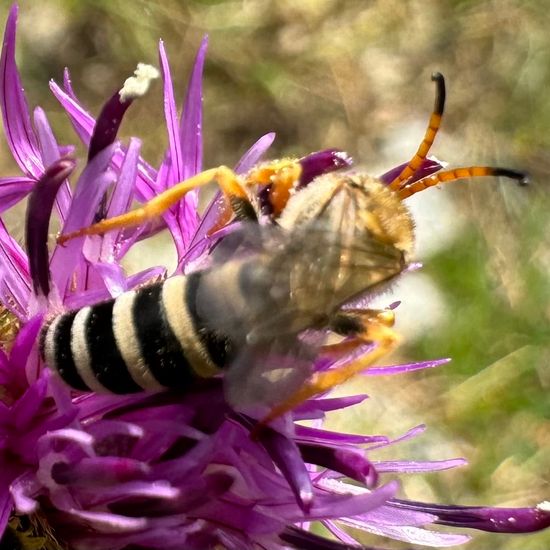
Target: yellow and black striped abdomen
{"x": 149, "y": 339}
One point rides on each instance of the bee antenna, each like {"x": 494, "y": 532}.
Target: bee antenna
{"x": 522, "y": 178}
{"x": 462, "y": 173}
{"x": 440, "y": 93}
{"x": 429, "y": 136}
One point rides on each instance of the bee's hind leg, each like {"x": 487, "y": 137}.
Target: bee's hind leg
{"x": 372, "y": 326}
{"x": 229, "y": 183}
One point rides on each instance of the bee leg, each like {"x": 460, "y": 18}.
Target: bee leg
{"x": 228, "y": 181}
{"x": 429, "y": 136}
{"x": 458, "y": 174}
{"x": 384, "y": 338}
{"x": 350, "y": 322}
{"x": 358, "y": 325}
{"x": 279, "y": 178}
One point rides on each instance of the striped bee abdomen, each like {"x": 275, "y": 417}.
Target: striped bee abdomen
{"x": 149, "y": 339}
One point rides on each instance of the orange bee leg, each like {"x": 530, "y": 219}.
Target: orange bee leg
{"x": 376, "y": 331}
{"x": 228, "y": 181}
{"x": 358, "y": 324}
{"x": 281, "y": 176}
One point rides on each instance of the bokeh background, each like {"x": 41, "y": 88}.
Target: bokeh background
{"x": 356, "y": 75}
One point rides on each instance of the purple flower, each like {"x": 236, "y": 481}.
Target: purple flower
{"x": 171, "y": 470}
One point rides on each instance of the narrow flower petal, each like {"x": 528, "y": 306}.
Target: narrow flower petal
{"x": 112, "y": 112}
{"x": 15, "y": 282}
{"x": 15, "y": 110}
{"x": 107, "y": 124}
{"x": 172, "y": 164}
{"x": 351, "y": 463}
{"x": 339, "y": 533}
{"x": 308, "y": 434}
{"x": 50, "y": 154}
{"x": 18, "y": 492}
{"x": 30, "y": 403}
{"x": 82, "y": 122}
{"x": 114, "y": 280}
{"x": 67, "y": 83}
{"x": 497, "y": 520}
{"x": 122, "y": 195}
{"x": 106, "y": 522}
{"x": 286, "y": 455}
{"x": 199, "y": 243}
{"x": 190, "y": 134}
{"x": 316, "y": 408}
{"x": 6, "y": 506}
{"x": 415, "y": 467}
{"x": 99, "y": 471}
{"x": 190, "y": 129}
{"x": 113, "y": 276}
{"x": 37, "y": 222}
{"x": 334, "y": 506}
{"x": 171, "y": 118}
{"x": 255, "y": 153}
{"x": 13, "y": 190}
{"x": 322, "y": 162}
{"x": 72, "y": 435}
{"x": 406, "y": 533}
{"x": 19, "y": 356}
{"x": 91, "y": 186}
{"x": 305, "y": 540}
{"x": 408, "y": 367}
{"x": 413, "y": 432}
{"x": 429, "y": 166}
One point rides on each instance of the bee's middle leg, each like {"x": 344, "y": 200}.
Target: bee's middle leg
{"x": 362, "y": 326}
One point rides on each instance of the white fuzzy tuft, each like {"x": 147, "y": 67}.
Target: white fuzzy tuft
{"x": 137, "y": 85}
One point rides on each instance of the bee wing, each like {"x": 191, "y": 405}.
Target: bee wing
{"x": 270, "y": 285}
{"x": 266, "y": 373}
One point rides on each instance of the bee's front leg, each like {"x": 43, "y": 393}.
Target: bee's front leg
{"x": 230, "y": 184}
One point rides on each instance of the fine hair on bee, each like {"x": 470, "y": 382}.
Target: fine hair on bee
{"x": 331, "y": 240}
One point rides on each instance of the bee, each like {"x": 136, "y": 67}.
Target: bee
{"x": 171, "y": 333}
{"x": 330, "y": 240}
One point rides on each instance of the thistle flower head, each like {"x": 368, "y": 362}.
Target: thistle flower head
{"x": 171, "y": 469}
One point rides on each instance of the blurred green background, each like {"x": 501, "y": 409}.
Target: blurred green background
{"x": 356, "y": 75}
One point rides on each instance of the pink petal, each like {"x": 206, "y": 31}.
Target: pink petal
{"x": 15, "y": 110}
{"x": 409, "y": 367}
{"x": 90, "y": 188}
{"x": 37, "y": 221}
{"x": 13, "y": 190}
{"x": 416, "y": 467}
{"x": 50, "y": 154}
{"x": 14, "y": 275}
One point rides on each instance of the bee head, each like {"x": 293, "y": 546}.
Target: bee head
{"x": 354, "y": 204}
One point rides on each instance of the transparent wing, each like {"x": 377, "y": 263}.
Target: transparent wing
{"x": 267, "y": 372}
{"x": 268, "y": 286}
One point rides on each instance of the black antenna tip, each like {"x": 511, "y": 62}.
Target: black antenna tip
{"x": 521, "y": 177}
{"x": 439, "y": 80}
